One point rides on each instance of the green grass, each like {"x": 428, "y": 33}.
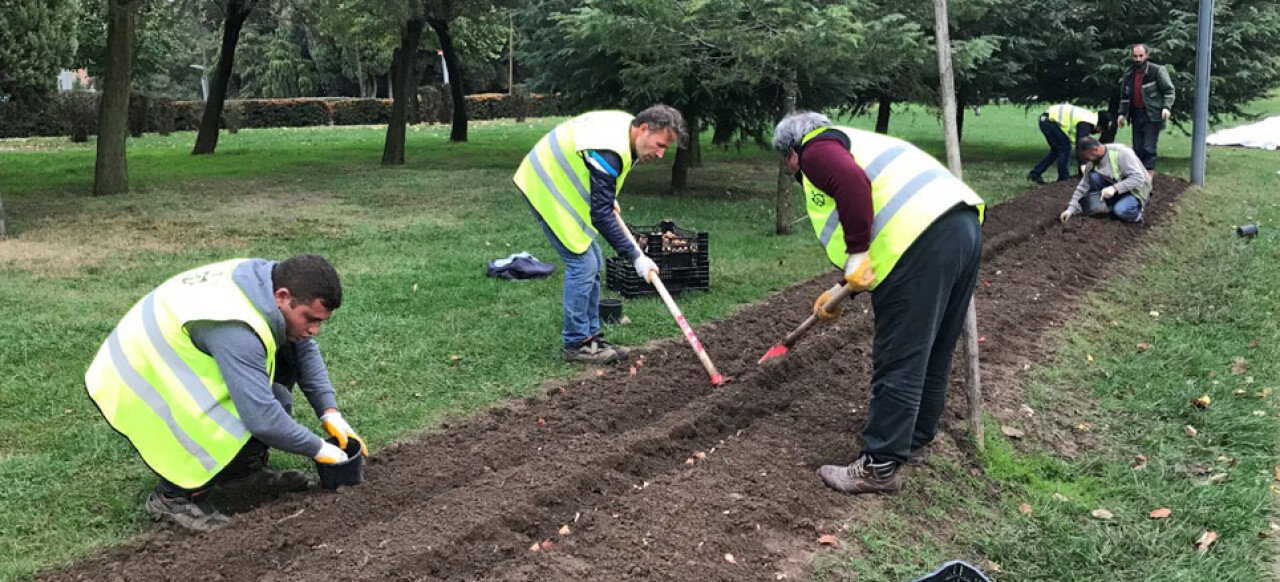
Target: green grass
{"x": 69, "y": 484}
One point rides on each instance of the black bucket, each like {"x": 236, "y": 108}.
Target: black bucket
{"x": 1091, "y": 204}
{"x": 349, "y": 473}
{"x": 610, "y": 310}
{"x": 1247, "y": 231}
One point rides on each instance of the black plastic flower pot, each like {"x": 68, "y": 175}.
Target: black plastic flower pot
{"x": 349, "y": 473}
{"x": 1247, "y": 231}
{"x": 610, "y": 310}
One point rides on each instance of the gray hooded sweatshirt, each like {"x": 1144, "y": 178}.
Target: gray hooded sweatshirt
{"x": 241, "y": 357}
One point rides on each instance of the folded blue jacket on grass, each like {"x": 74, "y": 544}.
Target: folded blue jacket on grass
{"x": 519, "y": 267}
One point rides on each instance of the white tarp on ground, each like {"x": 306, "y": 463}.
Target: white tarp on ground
{"x": 1264, "y": 134}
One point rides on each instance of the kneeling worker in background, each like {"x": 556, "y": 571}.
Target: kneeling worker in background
{"x": 199, "y": 376}
{"x": 1114, "y": 182}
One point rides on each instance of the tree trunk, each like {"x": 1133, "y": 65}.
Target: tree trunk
{"x": 882, "y": 114}
{"x": 783, "y": 211}
{"x": 3, "y": 233}
{"x": 684, "y": 159}
{"x": 402, "y": 67}
{"x": 207, "y": 140}
{"x": 454, "y": 65}
{"x": 695, "y": 145}
{"x": 110, "y": 171}
{"x": 951, "y": 123}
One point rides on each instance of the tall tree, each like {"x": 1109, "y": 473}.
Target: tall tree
{"x": 439, "y": 14}
{"x": 37, "y": 39}
{"x": 235, "y": 12}
{"x": 110, "y": 171}
{"x": 403, "y": 87}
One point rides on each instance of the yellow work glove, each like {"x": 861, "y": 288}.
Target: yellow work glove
{"x": 338, "y": 428}
{"x": 818, "y": 306}
{"x": 858, "y": 273}
{"x": 330, "y": 455}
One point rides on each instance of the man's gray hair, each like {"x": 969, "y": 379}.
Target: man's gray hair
{"x": 792, "y": 129}
{"x": 660, "y": 117}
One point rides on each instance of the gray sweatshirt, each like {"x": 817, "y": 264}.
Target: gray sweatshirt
{"x": 1133, "y": 176}
{"x": 241, "y": 358}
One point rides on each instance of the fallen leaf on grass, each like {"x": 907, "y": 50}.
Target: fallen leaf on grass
{"x": 1259, "y": 413}
{"x": 729, "y": 558}
{"x": 1140, "y": 463}
{"x": 1205, "y": 540}
{"x": 455, "y": 357}
{"x": 1191, "y": 431}
{"x": 829, "y": 540}
{"x": 1088, "y": 357}
{"x": 1025, "y": 509}
{"x": 1201, "y": 401}
{"x": 1161, "y": 513}
{"x": 1253, "y": 344}
{"x": 415, "y": 287}
{"x": 1238, "y": 392}
{"x": 1212, "y": 374}
{"x": 989, "y": 566}
{"x": 1154, "y": 313}
{"x": 1277, "y": 472}
{"x": 1143, "y": 345}
{"x": 1083, "y": 427}
{"x": 1060, "y": 498}
{"x": 1101, "y": 514}
{"x": 1266, "y": 392}
{"x": 1239, "y": 365}
{"x": 1011, "y": 432}
{"x": 1213, "y": 479}
{"x": 564, "y": 530}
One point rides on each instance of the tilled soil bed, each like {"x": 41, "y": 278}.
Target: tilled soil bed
{"x": 612, "y": 456}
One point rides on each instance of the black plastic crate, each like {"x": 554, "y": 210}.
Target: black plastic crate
{"x": 680, "y": 253}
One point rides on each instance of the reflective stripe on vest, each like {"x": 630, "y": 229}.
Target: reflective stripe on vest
{"x": 909, "y": 190}
{"x": 166, "y": 396}
{"x": 1067, "y": 116}
{"x": 554, "y": 176}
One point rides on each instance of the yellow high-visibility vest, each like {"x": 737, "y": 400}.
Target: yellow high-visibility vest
{"x": 165, "y": 395}
{"x": 909, "y": 190}
{"x": 555, "y": 179}
{"x": 1067, "y": 116}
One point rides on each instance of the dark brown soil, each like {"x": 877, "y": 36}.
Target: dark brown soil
{"x": 615, "y": 460}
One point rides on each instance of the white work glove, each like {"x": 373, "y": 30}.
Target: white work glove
{"x": 338, "y": 428}
{"x": 1107, "y": 193}
{"x": 330, "y": 454}
{"x": 1120, "y": 121}
{"x": 857, "y": 272}
{"x": 1084, "y": 169}
{"x": 1164, "y": 114}
{"x": 644, "y": 266}
{"x": 1065, "y": 216}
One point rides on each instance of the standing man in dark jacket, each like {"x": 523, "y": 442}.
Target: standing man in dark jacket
{"x": 1146, "y": 98}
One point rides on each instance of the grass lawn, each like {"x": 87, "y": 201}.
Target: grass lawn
{"x": 411, "y": 244}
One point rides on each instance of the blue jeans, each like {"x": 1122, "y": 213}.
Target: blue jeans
{"x": 1059, "y": 149}
{"x": 581, "y": 296}
{"x": 1124, "y": 207}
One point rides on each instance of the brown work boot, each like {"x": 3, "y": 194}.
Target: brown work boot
{"x": 194, "y": 514}
{"x": 863, "y": 476}
{"x": 919, "y": 455}
{"x": 622, "y": 351}
{"x": 268, "y": 480}
{"x": 591, "y": 352}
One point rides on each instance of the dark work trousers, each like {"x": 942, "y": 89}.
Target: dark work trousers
{"x": 1145, "y": 135}
{"x": 919, "y": 314}
{"x": 251, "y": 458}
{"x": 1060, "y": 148}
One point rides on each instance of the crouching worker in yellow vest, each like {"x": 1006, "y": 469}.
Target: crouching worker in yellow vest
{"x": 199, "y": 377}
{"x": 571, "y": 179}
{"x": 905, "y": 229}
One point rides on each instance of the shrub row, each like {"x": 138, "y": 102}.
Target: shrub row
{"x": 76, "y": 113}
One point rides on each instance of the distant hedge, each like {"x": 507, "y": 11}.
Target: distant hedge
{"x": 75, "y": 113}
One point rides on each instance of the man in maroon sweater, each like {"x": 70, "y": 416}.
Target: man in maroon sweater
{"x": 909, "y": 232}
